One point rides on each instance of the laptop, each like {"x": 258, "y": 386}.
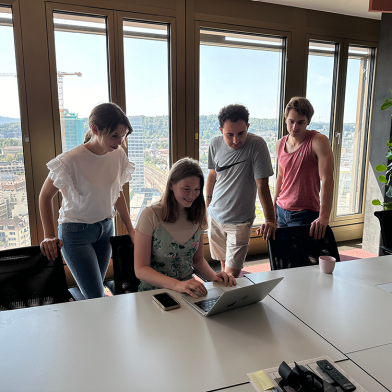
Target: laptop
{"x": 219, "y": 300}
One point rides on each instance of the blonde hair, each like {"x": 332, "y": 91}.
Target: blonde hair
{"x": 196, "y": 213}
{"x": 301, "y": 105}
{"x": 107, "y": 117}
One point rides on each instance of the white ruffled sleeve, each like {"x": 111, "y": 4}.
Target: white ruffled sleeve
{"x": 61, "y": 176}
{"x": 126, "y": 174}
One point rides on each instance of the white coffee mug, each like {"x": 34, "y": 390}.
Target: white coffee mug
{"x": 327, "y": 264}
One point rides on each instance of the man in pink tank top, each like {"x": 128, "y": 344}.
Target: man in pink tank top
{"x": 305, "y": 158}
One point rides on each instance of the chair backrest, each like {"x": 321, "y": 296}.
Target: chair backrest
{"x": 28, "y": 278}
{"x": 385, "y": 218}
{"x": 293, "y": 247}
{"x": 125, "y": 280}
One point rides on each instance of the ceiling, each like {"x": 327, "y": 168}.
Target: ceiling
{"x": 345, "y": 7}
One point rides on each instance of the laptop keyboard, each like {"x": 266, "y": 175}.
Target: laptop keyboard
{"x": 207, "y": 304}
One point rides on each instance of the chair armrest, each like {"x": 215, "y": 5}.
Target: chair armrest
{"x": 386, "y": 250}
{"x": 76, "y": 294}
{"x": 112, "y": 287}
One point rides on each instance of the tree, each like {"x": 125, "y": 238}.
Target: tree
{"x": 19, "y": 157}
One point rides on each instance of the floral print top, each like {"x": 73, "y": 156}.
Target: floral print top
{"x": 171, "y": 258}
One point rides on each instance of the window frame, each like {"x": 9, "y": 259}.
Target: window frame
{"x": 335, "y": 84}
{"x": 356, "y": 217}
{"x": 174, "y": 134}
{"x": 338, "y": 113}
{"x": 32, "y": 204}
{"x": 34, "y": 81}
{"x": 193, "y": 113}
{"x": 73, "y": 9}
{"x": 116, "y": 77}
{"x": 112, "y": 83}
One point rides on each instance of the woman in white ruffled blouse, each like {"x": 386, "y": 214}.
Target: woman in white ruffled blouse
{"x": 90, "y": 178}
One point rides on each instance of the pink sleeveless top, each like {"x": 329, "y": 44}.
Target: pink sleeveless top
{"x": 301, "y": 181}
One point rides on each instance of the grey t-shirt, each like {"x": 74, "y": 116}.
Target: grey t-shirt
{"x": 234, "y": 195}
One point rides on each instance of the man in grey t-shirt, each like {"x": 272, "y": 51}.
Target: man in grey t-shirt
{"x": 239, "y": 165}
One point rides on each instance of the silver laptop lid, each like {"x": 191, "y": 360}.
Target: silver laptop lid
{"x": 235, "y": 298}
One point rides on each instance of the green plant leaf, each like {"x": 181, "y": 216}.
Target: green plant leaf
{"x": 376, "y": 202}
{"x": 387, "y": 103}
{"x": 389, "y": 143}
{"x": 381, "y": 167}
{"x": 387, "y": 206}
{"x": 382, "y": 179}
{"x": 389, "y": 155}
{"x": 389, "y": 192}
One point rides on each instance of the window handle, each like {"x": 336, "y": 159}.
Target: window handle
{"x": 338, "y": 135}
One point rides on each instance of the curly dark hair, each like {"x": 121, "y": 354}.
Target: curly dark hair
{"x": 233, "y": 113}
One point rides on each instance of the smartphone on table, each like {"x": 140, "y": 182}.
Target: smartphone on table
{"x": 165, "y": 301}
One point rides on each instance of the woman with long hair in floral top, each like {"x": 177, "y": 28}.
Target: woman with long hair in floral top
{"x": 169, "y": 236}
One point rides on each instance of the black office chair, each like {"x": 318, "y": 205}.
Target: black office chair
{"x": 28, "y": 278}
{"x": 293, "y": 247}
{"x": 76, "y": 294}
{"x": 125, "y": 280}
{"x": 385, "y": 218}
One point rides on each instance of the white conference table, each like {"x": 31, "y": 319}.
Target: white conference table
{"x": 377, "y": 362}
{"x": 127, "y": 343}
{"x": 345, "y": 307}
{"x": 363, "y": 379}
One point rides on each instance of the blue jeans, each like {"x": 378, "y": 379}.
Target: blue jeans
{"x": 87, "y": 253}
{"x": 295, "y": 218}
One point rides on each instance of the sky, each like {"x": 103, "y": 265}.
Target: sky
{"x": 227, "y": 75}
{"x": 234, "y": 75}
{"x": 9, "y": 98}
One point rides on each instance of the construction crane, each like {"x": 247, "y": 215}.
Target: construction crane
{"x": 60, "y": 76}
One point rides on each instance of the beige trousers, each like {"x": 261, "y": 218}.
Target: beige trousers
{"x": 229, "y": 242}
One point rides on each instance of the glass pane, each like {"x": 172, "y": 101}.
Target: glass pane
{"x": 256, "y": 85}
{"x": 14, "y": 216}
{"x": 82, "y": 72}
{"x": 319, "y": 88}
{"x": 355, "y": 119}
{"x": 146, "y": 63}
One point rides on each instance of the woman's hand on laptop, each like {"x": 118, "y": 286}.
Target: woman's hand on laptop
{"x": 192, "y": 287}
{"x": 227, "y": 279}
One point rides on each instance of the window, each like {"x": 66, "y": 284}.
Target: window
{"x": 82, "y": 72}
{"x": 245, "y": 69}
{"x": 13, "y": 193}
{"x": 146, "y": 64}
{"x": 353, "y": 140}
{"x": 350, "y": 137}
{"x": 321, "y": 84}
